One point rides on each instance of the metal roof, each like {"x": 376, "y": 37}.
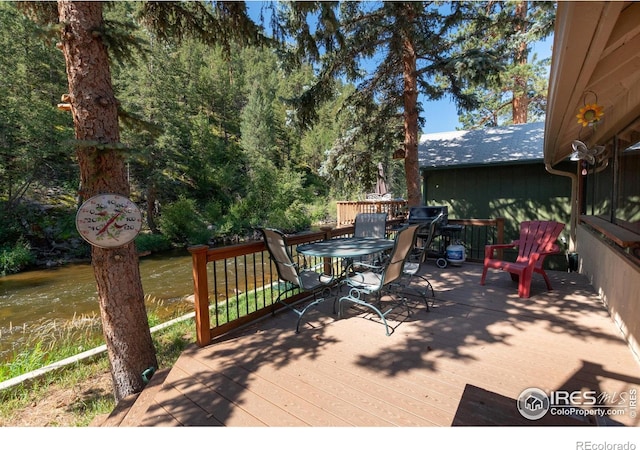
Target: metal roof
{"x": 512, "y": 144}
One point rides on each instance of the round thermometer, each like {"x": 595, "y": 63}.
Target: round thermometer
{"x": 108, "y": 220}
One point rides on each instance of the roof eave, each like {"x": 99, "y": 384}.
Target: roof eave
{"x": 596, "y": 55}
{"x": 478, "y": 165}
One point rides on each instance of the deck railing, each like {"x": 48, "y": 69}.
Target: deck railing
{"x": 238, "y": 284}
{"x": 476, "y": 233}
{"x": 347, "y": 211}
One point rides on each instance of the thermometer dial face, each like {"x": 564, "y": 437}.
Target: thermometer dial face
{"x": 108, "y": 220}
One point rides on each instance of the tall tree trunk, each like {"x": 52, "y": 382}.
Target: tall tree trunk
{"x": 102, "y": 170}
{"x": 411, "y": 167}
{"x": 152, "y": 197}
{"x": 520, "y": 105}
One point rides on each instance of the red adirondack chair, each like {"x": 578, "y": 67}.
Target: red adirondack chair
{"x": 537, "y": 240}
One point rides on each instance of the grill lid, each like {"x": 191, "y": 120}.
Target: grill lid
{"x": 419, "y": 214}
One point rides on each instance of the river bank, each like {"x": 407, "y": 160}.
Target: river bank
{"x": 74, "y": 395}
{"x": 40, "y": 299}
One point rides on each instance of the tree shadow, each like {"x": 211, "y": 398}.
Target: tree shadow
{"x": 267, "y": 363}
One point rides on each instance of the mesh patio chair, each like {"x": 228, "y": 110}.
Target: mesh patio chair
{"x": 305, "y": 279}
{"x": 370, "y": 225}
{"x": 416, "y": 261}
{"x": 377, "y": 279}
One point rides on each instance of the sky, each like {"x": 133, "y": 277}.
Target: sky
{"x": 442, "y": 115}
{"x": 439, "y": 116}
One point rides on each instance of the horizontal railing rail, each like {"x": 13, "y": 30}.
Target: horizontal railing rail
{"x": 238, "y": 284}
{"x": 347, "y": 210}
{"x": 476, "y": 233}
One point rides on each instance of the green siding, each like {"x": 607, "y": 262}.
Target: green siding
{"x": 515, "y": 192}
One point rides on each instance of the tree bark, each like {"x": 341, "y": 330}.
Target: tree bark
{"x": 410, "y": 99}
{"x": 152, "y": 192}
{"x": 102, "y": 170}
{"x": 520, "y": 104}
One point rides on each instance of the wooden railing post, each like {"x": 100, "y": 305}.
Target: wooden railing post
{"x": 328, "y": 263}
{"x": 203, "y": 256}
{"x": 201, "y": 294}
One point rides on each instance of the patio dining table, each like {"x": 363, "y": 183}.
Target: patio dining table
{"x": 346, "y": 249}
{"x": 352, "y": 247}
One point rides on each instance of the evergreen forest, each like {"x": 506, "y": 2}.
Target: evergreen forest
{"x": 212, "y": 144}
{"x": 210, "y": 149}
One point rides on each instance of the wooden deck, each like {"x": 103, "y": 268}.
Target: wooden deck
{"x": 464, "y": 362}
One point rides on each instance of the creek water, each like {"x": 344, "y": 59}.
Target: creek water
{"x": 33, "y": 298}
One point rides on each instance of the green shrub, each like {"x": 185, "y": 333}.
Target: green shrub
{"x": 290, "y": 218}
{"x": 64, "y": 225}
{"x": 277, "y": 199}
{"x": 181, "y": 222}
{"x": 322, "y": 212}
{"x": 212, "y": 212}
{"x": 14, "y": 259}
{"x": 147, "y": 242}
{"x": 10, "y": 229}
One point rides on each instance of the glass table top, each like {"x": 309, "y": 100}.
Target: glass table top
{"x": 346, "y": 247}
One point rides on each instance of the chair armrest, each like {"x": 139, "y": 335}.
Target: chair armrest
{"x": 554, "y": 250}
{"x": 286, "y": 264}
{"x": 494, "y": 246}
{"x": 326, "y": 278}
{"x": 314, "y": 267}
{"x": 307, "y": 266}
{"x": 537, "y": 258}
{"x": 372, "y": 267}
{"x": 489, "y": 249}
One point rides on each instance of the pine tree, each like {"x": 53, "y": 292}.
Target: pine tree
{"x": 394, "y": 50}
{"x": 88, "y": 44}
{"x": 519, "y": 94}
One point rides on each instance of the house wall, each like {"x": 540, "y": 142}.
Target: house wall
{"x": 615, "y": 278}
{"x": 515, "y": 192}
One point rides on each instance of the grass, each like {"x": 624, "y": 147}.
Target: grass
{"x": 17, "y": 399}
{"x": 48, "y": 342}
{"x": 169, "y": 343}
{"x": 52, "y": 341}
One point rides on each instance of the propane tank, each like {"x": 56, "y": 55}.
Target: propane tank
{"x": 456, "y": 254}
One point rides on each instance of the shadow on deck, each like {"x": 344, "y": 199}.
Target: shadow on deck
{"x": 464, "y": 362}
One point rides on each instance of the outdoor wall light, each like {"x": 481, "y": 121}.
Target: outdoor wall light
{"x": 595, "y": 156}
{"x": 590, "y": 155}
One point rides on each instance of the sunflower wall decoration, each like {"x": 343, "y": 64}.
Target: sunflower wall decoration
{"x": 590, "y": 113}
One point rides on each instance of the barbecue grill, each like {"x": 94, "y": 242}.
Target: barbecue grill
{"x": 426, "y": 214}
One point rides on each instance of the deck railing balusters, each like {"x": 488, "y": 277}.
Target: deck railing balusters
{"x": 235, "y": 283}
{"x": 267, "y": 285}
{"x": 255, "y": 285}
{"x": 216, "y": 294}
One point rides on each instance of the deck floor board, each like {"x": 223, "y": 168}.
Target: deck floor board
{"x": 463, "y": 362}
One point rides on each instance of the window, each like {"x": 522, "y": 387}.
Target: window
{"x": 598, "y": 185}
{"x": 611, "y": 191}
{"x": 628, "y": 199}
